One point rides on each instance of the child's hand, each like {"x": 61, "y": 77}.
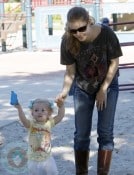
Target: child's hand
{"x": 14, "y": 99}
{"x": 59, "y": 103}
{"x": 60, "y": 100}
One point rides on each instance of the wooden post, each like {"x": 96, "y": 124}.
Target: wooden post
{"x": 3, "y": 40}
{"x": 24, "y": 36}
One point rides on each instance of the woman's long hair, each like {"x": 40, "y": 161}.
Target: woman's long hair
{"x": 75, "y": 13}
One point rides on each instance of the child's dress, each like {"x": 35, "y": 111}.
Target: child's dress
{"x": 40, "y": 160}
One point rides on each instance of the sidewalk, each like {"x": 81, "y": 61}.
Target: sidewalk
{"x": 39, "y": 74}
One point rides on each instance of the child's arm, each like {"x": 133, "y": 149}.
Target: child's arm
{"x": 14, "y": 101}
{"x": 22, "y": 116}
{"x": 61, "y": 113}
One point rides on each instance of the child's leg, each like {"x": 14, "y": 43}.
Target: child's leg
{"x": 48, "y": 167}
{"x": 33, "y": 167}
{"x": 51, "y": 167}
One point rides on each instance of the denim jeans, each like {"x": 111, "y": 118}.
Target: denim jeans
{"x": 84, "y": 105}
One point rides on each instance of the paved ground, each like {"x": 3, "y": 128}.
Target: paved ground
{"x": 39, "y": 74}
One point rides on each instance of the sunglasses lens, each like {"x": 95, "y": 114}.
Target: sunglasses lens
{"x": 73, "y": 31}
{"x": 81, "y": 29}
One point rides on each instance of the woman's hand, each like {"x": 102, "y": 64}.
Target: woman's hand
{"x": 101, "y": 96}
{"x": 68, "y": 80}
{"x": 101, "y": 99}
{"x": 60, "y": 99}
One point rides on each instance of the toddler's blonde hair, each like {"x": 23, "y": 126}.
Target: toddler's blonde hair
{"x": 46, "y": 102}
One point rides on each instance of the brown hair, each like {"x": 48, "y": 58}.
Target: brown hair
{"x": 75, "y": 13}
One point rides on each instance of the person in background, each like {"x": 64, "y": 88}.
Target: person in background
{"x": 91, "y": 54}
{"x": 105, "y": 21}
{"x": 40, "y": 159}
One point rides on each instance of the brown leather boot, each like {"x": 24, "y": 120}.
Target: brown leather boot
{"x": 81, "y": 162}
{"x": 104, "y": 160}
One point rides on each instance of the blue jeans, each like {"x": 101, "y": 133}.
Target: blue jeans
{"x": 84, "y": 105}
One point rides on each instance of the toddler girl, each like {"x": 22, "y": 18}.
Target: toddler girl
{"x": 40, "y": 159}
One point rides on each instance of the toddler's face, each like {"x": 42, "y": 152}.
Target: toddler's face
{"x": 40, "y": 112}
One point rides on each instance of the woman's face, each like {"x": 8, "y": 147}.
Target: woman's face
{"x": 79, "y": 29}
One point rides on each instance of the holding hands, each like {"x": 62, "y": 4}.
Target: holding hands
{"x": 60, "y": 100}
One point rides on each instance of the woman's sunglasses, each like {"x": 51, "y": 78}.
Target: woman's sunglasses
{"x": 81, "y": 29}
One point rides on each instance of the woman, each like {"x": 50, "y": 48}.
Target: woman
{"x": 91, "y": 54}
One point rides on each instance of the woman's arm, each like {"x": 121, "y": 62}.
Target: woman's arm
{"x": 68, "y": 80}
{"x": 101, "y": 97}
{"x": 22, "y": 116}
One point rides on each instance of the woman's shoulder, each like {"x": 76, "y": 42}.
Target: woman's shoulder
{"x": 106, "y": 29}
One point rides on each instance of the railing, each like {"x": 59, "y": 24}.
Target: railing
{"x": 10, "y": 24}
{"x": 125, "y": 86}
{"x": 37, "y": 3}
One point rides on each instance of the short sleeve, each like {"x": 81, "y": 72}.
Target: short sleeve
{"x": 66, "y": 58}
{"x": 113, "y": 45}
{"x": 50, "y": 123}
{"x": 31, "y": 124}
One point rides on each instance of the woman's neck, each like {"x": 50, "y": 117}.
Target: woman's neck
{"x": 94, "y": 31}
